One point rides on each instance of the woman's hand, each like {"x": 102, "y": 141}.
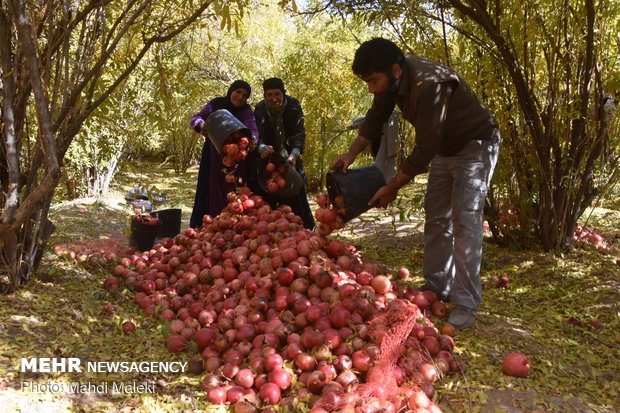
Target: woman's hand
{"x": 203, "y": 127}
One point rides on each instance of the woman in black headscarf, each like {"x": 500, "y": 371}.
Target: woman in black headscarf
{"x": 212, "y": 187}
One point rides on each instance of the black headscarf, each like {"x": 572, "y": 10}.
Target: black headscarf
{"x": 224, "y": 102}
{"x": 239, "y": 84}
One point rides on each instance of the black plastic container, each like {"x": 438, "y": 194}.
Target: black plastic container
{"x": 357, "y": 187}
{"x": 220, "y": 124}
{"x": 293, "y": 179}
{"x": 143, "y": 235}
{"x": 169, "y": 222}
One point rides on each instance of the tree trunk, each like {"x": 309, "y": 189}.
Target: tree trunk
{"x": 97, "y": 179}
{"x": 44, "y": 65}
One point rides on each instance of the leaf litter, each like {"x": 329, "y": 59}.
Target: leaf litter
{"x": 60, "y": 314}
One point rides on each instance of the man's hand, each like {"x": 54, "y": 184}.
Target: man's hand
{"x": 342, "y": 162}
{"x": 383, "y": 197}
{"x": 266, "y": 150}
{"x": 386, "y": 194}
{"x": 203, "y": 127}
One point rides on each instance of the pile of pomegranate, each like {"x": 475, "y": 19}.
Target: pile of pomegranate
{"x": 583, "y": 236}
{"x": 277, "y": 315}
{"x": 589, "y": 236}
{"x": 96, "y": 254}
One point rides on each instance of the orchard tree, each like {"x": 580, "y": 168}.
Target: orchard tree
{"x": 548, "y": 70}
{"x": 317, "y": 72}
{"x": 118, "y": 128}
{"x": 55, "y": 56}
{"x": 173, "y": 94}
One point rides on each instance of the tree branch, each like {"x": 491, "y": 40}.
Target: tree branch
{"x": 70, "y": 103}
{"x": 11, "y": 151}
{"x": 62, "y": 33}
{"x": 41, "y": 101}
{"x": 48, "y": 144}
{"x": 74, "y": 128}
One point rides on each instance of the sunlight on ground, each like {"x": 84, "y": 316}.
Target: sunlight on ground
{"x": 376, "y": 222}
{"x": 13, "y": 400}
{"x": 105, "y": 201}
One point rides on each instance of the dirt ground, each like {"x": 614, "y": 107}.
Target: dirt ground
{"x": 573, "y": 369}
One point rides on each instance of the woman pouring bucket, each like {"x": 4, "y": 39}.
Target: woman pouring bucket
{"x": 224, "y": 120}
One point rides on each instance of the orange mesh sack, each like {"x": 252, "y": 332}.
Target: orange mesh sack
{"x": 386, "y": 386}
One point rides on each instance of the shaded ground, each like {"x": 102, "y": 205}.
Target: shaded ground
{"x": 574, "y": 369}
{"x": 60, "y": 314}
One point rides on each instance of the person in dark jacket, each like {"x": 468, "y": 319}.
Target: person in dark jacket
{"x": 212, "y": 187}
{"x": 460, "y": 139}
{"x": 280, "y": 121}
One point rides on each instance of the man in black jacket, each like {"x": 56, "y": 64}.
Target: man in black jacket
{"x": 280, "y": 122}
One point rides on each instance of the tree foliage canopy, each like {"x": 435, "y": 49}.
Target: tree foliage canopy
{"x": 60, "y": 61}
{"x": 546, "y": 69}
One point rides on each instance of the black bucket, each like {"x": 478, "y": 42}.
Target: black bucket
{"x": 169, "y": 222}
{"x": 143, "y": 235}
{"x": 293, "y": 179}
{"x": 357, "y": 187}
{"x": 220, "y": 124}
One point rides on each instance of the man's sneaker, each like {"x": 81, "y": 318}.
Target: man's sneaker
{"x": 462, "y": 317}
{"x": 440, "y": 296}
